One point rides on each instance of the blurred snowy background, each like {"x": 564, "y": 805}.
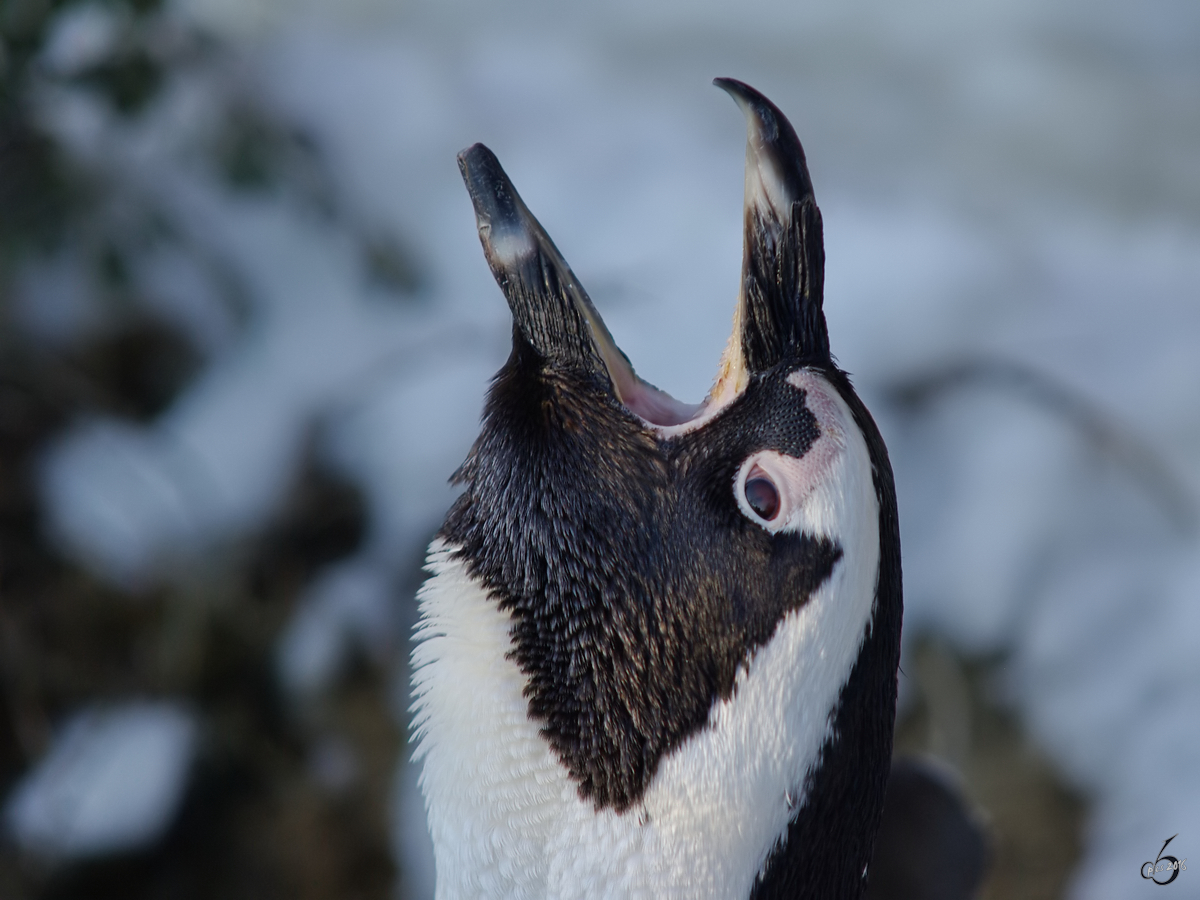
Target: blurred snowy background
{"x": 246, "y": 327}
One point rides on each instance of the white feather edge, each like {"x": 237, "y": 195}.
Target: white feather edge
{"x": 506, "y": 819}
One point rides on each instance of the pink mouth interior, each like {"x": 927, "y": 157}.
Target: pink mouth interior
{"x": 648, "y": 402}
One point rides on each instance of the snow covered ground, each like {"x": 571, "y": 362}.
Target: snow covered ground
{"x": 1011, "y": 181}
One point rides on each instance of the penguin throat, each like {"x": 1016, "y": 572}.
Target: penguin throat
{"x": 655, "y": 407}
{"x": 658, "y": 409}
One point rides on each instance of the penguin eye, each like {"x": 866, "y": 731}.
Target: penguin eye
{"x": 762, "y": 495}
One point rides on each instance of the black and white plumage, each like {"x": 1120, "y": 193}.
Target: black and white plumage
{"x": 658, "y": 647}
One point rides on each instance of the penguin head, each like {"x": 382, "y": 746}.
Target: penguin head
{"x": 646, "y": 549}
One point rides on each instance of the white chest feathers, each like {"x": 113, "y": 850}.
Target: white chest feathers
{"x": 506, "y": 819}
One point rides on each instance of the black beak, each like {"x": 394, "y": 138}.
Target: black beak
{"x": 550, "y": 309}
{"x": 778, "y": 318}
{"x": 783, "y": 263}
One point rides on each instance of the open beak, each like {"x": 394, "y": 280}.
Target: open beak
{"x": 778, "y": 316}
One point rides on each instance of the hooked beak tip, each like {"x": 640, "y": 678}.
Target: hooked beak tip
{"x": 761, "y": 114}
{"x": 776, "y": 167}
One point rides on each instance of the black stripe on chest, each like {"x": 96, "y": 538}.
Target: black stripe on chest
{"x": 636, "y": 587}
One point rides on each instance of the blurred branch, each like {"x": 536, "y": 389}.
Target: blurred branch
{"x": 1147, "y": 467}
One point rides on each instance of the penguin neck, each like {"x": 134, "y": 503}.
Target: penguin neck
{"x": 844, "y": 792}
{"x": 719, "y": 815}
{"x": 507, "y": 819}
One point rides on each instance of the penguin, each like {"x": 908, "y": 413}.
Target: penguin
{"x": 657, "y": 650}
{"x": 932, "y": 843}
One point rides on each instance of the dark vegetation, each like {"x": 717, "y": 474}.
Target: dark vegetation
{"x": 255, "y": 823}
